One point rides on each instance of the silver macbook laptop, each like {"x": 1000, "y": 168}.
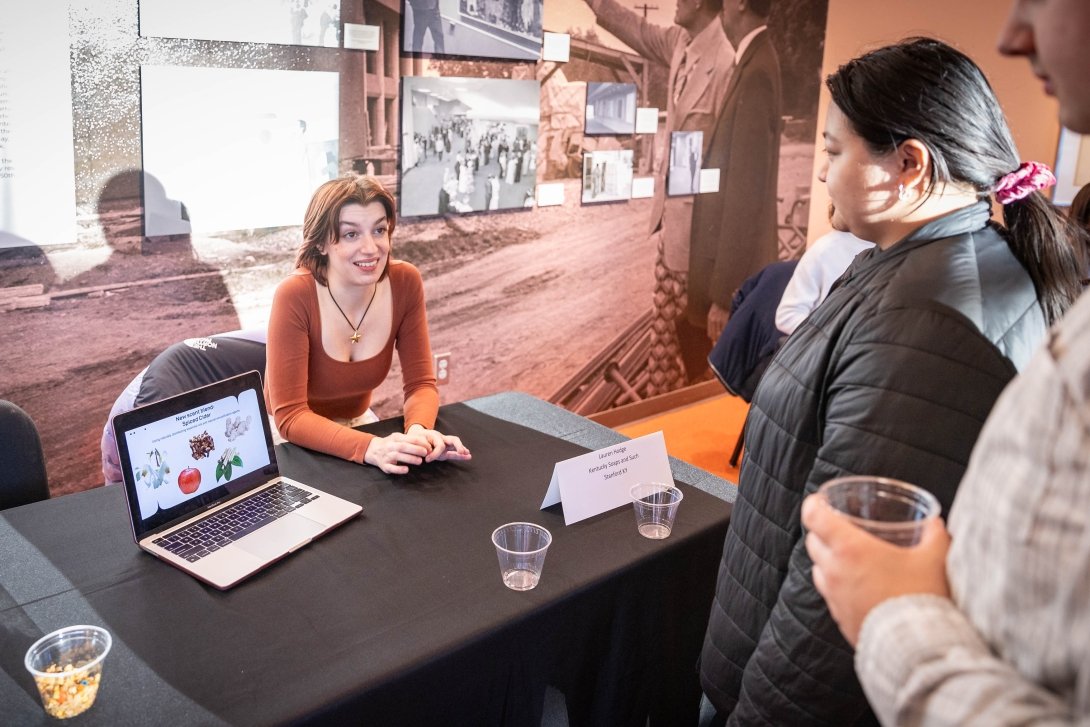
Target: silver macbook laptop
{"x": 203, "y": 488}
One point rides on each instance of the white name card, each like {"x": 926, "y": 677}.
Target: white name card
{"x": 647, "y": 120}
{"x": 643, "y": 187}
{"x": 709, "y": 180}
{"x": 556, "y": 47}
{"x": 593, "y": 483}
{"x": 361, "y": 37}
{"x": 550, "y": 195}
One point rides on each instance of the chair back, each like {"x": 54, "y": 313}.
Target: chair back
{"x": 22, "y": 464}
{"x": 187, "y": 365}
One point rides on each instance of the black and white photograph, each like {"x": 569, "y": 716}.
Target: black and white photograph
{"x": 205, "y": 129}
{"x": 611, "y": 108}
{"x": 686, "y": 157}
{"x": 468, "y": 144}
{"x": 509, "y": 29}
{"x": 607, "y": 176}
{"x": 286, "y": 22}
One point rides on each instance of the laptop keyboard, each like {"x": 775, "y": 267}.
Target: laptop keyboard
{"x": 207, "y": 535}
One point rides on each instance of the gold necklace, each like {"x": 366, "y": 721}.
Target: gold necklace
{"x": 356, "y": 328}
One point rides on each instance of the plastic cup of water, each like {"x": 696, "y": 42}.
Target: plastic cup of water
{"x": 521, "y": 549}
{"x": 656, "y": 507}
{"x": 67, "y": 667}
{"x": 894, "y": 511}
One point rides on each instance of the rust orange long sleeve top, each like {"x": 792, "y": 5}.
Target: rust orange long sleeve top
{"x": 306, "y": 389}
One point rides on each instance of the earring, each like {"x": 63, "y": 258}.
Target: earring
{"x": 902, "y": 193}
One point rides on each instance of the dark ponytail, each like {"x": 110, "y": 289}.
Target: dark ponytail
{"x": 924, "y": 89}
{"x": 1058, "y": 269}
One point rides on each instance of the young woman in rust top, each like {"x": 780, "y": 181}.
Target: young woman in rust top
{"x": 334, "y": 325}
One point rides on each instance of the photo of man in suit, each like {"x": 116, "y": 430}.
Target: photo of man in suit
{"x": 734, "y": 233}
{"x": 699, "y": 61}
{"x": 426, "y": 18}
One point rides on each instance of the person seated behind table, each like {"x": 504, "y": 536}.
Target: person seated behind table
{"x": 895, "y": 372}
{"x": 818, "y": 268}
{"x": 333, "y": 328}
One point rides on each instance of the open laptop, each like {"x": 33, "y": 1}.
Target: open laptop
{"x": 203, "y": 489}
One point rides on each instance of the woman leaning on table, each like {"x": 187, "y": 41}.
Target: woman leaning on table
{"x": 895, "y": 372}
{"x": 334, "y": 325}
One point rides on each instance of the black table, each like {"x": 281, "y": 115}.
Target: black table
{"x": 399, "y": 617}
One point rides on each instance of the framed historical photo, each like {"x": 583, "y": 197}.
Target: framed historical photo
{"x": 508, "y": 29}
{"x": 607, "y": 176}
{"x": 611, "y": 108}
{"x": 468, "y": 144}
{"x": 286, "y": 22}
{"x": 686, "y": 158}
{"x": 209, "y": 130}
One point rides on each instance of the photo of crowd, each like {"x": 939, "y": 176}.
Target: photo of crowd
{"x": 470, "y": 145}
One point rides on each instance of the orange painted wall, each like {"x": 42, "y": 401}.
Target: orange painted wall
{"x": 855, "y": 26}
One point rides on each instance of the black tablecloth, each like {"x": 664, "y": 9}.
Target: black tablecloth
{"x": 398, "y": 617}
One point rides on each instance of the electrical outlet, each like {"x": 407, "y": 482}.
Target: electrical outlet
{"x": 442, "y": 368}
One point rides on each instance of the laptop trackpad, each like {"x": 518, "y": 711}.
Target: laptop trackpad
{"x": 280, "y": 536}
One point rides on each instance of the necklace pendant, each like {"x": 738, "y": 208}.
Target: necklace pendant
{"x": 356, "y": 337}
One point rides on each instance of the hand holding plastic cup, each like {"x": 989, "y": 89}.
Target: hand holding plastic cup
{"x": 656, "y": 507}
{"x": 67, "y": 667}
{"x": 894, "y": 511}
{"x": 521, "y": 548}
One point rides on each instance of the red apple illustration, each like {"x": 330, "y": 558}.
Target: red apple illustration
{"x": 189, "y": 480}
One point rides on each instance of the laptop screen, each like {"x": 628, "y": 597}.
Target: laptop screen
{"x": 187, "y": 453}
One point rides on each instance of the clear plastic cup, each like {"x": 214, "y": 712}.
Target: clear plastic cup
{"x": 521, "y": 549}
{"x": 894, "y": 511}
{"x": 656, "y": 507}
{"x": 67, "y": 668}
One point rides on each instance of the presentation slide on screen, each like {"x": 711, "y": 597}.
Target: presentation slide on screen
{"x": 189, "y": 454}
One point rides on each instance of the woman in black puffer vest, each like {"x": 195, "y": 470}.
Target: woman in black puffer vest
{"x": 895, "y": 372}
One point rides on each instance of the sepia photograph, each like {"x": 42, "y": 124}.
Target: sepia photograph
{"x": 607, "y": 176}
{"x": 611, "y": 108}
{"x": 468, "y": 144}
{"x": 686, "y": 157}
{"x": 286, "y": 22}
{"x": 509, "y": 29}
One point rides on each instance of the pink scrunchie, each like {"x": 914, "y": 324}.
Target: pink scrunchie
{"x": 1028, "y": 178}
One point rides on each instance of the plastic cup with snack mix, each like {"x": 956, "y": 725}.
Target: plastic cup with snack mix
{"x": 67, "y": 668}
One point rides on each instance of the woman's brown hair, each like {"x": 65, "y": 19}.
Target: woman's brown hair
{"x": 323, "y": 215}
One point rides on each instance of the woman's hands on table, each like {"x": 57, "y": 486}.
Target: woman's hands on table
{"x": 395, "y": 453}
{"x": 443, "y": 447}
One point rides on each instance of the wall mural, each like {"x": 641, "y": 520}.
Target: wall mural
{"x": 175, "y": 235}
